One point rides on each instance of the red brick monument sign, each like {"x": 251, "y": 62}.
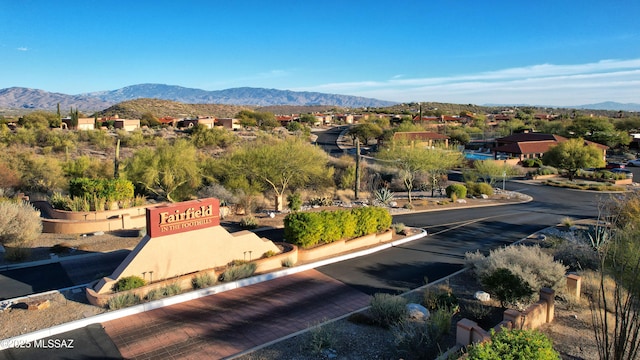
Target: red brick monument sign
{"x": 184, "y": 216}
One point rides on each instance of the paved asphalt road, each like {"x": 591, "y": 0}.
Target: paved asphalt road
{"x": 70, "y": 272}
{"x": 452, "y": 233}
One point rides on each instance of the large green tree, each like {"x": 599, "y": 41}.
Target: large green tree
{"x": 170, "y": 171}
{"x": 38, "y": 120}
{"x": 412, "y": 161}
{"x": 262, "y": 119}
{"x": 279, "y": 165}
{"x": 364, "y": 132}
{"x": 600, "y": 130}
{"x": 491, "y": 170}
{"x": 573, "y": 155}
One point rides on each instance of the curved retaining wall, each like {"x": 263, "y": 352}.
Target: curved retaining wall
{"x": 83, "y": 222}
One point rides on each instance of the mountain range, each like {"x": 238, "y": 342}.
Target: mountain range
{"x": 24, "y": 98}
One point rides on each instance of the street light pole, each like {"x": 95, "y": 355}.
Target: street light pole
{"x": 504, "y": 176}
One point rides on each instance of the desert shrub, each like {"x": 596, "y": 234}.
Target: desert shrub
{"x": 269, "y": 254}
{"x": 441, "y": 321}
{"x": 294, "y": 201}
{"x": 476, "y": 311}
{"x": 59, "y": 201}
{"x": 440, "y": 296}
{"x": 321, "y": 201}
{"x": 388, "y": 310}
{"x": 532, "y": 163}
{"x": 20, "y": 223}
{"x": 591, "y": 286}
{"x": 321, "y": 337}
{"x": 567, "y": 221}
{"x": 169, "y": 290}
{"x": 288, "y": 262}
{"x": 576, "y": 256}
{"x": 534, "y": 266}
{"x": 237, "y": 272}
{"x": 128, "y": 283}
{"x": 507, "y": 287}
{"x": 457, "y": 190}
{"x": 418, "y": 339}
{"x": 414, "y": 340}
{"x": 249, "y": 222}
{"x": 123, "y": 301}
{"x": 514, "y": 344}
{"x": 399, "y": 228}
{"x": 202, "y": 281}
{"x": 219, "y": 192}
{"x": 484, "y": 188}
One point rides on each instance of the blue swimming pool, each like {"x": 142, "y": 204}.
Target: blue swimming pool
{"x": 477, "y": 156}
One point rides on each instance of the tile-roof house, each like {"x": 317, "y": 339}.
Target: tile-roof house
{"x": 533, "y": 145}
{"x": 424, "y": 138}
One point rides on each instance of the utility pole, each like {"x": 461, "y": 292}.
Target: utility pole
{"x": 357, "y": 185}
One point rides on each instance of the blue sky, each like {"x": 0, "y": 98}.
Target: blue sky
{"x": 459, "y": 51}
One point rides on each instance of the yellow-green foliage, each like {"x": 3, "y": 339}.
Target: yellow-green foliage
{"x": 128, "y": 283}
{"x": 308, "y": 229}
{"x": 457, "y": 190}
{"x": 514, "y": 344}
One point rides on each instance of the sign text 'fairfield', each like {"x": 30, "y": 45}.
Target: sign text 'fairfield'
{"x": 184, "y": 216}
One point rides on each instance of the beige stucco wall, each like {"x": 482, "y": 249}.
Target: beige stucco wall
{"x": 174, "y": 255}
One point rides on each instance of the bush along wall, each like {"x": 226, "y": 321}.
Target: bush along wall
{"x": 308, "y": 229}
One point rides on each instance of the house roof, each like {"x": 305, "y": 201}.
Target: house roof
{"x": 537, "y": 147}
{"x": 530, "y": 137}
{"x": 419, "y": 135}
{"x": 526, "y": 147}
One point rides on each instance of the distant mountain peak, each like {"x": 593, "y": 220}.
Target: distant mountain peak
{"x": 17, "y": 97}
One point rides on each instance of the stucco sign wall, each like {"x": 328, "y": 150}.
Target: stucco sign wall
{"x": 185, "y": 216}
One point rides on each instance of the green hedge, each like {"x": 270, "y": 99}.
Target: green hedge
{"x": 312, "y": 228}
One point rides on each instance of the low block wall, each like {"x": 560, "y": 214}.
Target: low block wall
{"x": 47, "y": 209}
{"x": 469, "y": 332}
{"x": 342, "y": 246}
{"x": 122, "y": 222}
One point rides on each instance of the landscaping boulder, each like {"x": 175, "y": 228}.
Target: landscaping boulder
{"x": 417, "y": 312}
{"x": 482, "y": 296}
{"x": 484, "y": 196}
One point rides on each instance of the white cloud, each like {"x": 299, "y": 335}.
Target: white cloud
{"x": 23, "y": 48}
{"x": 543, "y": 84}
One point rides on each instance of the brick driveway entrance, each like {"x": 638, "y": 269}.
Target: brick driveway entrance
{"x": 227, "y": 323}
